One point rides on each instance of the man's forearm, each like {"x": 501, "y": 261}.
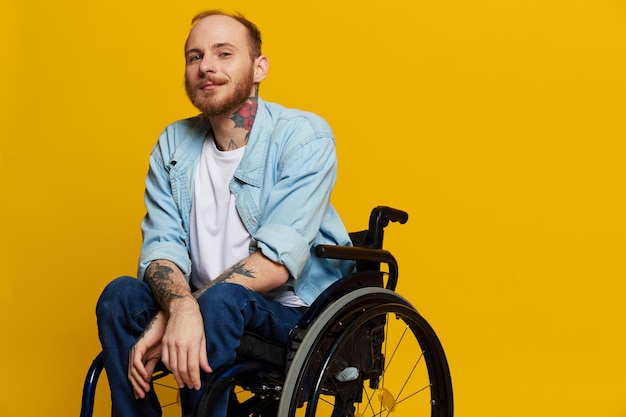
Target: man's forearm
{"x": 228, "y": 275}
{"x": 167, "y": 282}
{"x": 257, "y": 273}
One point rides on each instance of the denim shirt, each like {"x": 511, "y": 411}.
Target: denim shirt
{"x": 282, "y": 189}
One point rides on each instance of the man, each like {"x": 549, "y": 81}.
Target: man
{"x": 237, "y": 196}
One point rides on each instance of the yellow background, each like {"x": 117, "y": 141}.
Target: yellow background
{"x": 498, "y": 125}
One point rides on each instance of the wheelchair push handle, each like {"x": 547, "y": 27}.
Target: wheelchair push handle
{"x": 382, "y": 215}
{"x": 379, "y": 219}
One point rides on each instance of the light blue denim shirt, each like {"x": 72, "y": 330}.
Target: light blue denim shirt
{"x": 282, "y": 189}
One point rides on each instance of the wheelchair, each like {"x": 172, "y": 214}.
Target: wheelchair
{"x": 360, "y": 349}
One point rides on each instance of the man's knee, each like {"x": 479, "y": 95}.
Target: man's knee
{"x": 115, "y": 295}
{"x": 226, "y": 289}
{"x": 225, "y": 295}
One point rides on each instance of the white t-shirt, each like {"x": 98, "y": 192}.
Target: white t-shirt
{"x": 219, "y": 238}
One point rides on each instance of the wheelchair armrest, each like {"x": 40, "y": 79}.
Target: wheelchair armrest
{"x": 362, "y": 254}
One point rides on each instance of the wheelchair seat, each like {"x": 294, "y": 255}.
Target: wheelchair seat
{"x": 359, "y": 349}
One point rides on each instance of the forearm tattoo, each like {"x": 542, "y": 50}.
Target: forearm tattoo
{"x": 239, "y": 269}
{"x": 148, "y": 327}
{"x": 160, "y": 281}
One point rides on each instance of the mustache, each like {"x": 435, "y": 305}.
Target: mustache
{"x": 204, "y": 80}
{"x": 211, "y": 79}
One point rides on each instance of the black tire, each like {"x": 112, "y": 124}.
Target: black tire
{"x": 412, "y": 379}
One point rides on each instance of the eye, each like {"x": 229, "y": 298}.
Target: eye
{"x": 193, "y": 58}
{"x": 225, "y": 54}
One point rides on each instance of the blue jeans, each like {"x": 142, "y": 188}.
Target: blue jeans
{"x": 126, "y": 306}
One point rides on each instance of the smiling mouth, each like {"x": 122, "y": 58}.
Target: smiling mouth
{"x": 210, "y": 83}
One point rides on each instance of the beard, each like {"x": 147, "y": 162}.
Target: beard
{"x": 210, "y": 103}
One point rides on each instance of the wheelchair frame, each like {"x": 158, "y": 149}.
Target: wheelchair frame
{"x": 358, "y": 307}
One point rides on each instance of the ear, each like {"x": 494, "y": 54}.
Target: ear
{"x": 261, "y": 66}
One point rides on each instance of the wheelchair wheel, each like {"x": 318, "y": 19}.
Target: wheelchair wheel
{"x": 368, "y": 354}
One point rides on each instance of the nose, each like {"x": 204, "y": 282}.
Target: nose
{"x": 207, "y": 66}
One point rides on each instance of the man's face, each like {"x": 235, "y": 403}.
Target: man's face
{"x": 219, "y": 74}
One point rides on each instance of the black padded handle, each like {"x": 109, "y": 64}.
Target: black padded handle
{"x": 362, "y": 254}
{"x": 379, "y": 219}
{"x": 382, "y": 215}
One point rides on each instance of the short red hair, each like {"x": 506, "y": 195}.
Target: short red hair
{"x": 254, "y": 34}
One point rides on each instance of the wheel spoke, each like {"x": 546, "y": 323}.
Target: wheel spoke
{"x": 399, "y": 358}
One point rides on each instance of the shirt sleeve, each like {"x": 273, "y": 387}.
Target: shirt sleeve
{"x": 162, "y": 228}
{"x": 291, "y": 221}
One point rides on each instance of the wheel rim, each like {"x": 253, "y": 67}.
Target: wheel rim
{"x": 415, "y": 381}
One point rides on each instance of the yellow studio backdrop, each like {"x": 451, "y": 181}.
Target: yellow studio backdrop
{"x": 498, "y": 125}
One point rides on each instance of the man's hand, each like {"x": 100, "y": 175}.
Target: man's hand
{"x": 183, "y": 345}
{"x": 183, "y": 342}
{"x": 145, "y": 354}
{"x": 183, "y": 348}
